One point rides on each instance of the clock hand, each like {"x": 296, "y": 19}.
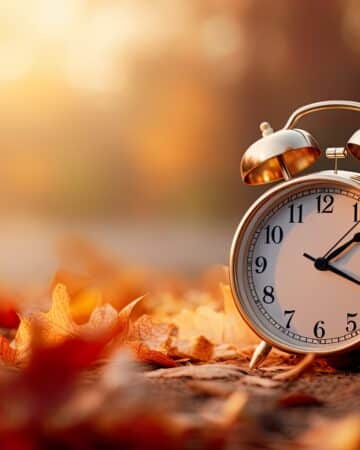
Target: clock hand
{"x": 339, "y": 250}
{"x": 342, "y": 237}
{"x": 323, "y": 264}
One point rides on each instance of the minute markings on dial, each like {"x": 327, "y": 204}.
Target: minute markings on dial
{"x": 267, "y": 221}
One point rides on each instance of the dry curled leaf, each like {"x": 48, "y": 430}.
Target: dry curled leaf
{"x": 156, "y": 336}
{"x": 150, "y": 341}
{"x": 196, "y": 349}
{"x": 162, "y": 338}
{"x": 186, "y": 334}
{"x": 143, "y": 353}
{"x": 192, "y": 318}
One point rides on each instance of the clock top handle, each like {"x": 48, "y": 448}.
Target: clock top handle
{"x": 282, "y": 154}
{"x": 320, "y": 106}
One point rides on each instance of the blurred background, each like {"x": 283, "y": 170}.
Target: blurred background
{"x": 124, "y": 121}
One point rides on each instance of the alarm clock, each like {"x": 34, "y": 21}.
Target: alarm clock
{"x": 295, "y": 257}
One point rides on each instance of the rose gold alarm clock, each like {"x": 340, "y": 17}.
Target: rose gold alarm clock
{"x": 295, "y": 258}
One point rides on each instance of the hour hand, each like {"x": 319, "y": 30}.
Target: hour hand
{"x": 342, "y": 248}
{"x": 323, "y": 264}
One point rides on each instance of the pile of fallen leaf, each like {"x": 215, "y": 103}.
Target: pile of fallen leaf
{"x": 80, "y": 361}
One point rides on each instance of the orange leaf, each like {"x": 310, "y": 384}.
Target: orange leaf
{"x": 144, "y": 353}
{"x": 56, "y": 325}
{"x": 202, "y": 349}
{"x": 196, "y": 349}
{"x": 157, "y": 336}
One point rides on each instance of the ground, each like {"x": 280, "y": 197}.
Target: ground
{"x": 280, "y": 413}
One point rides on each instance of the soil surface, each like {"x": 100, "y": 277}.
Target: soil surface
{"x": 278, "y": 423}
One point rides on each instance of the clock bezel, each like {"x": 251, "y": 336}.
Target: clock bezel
{"x": 350, "y": 180}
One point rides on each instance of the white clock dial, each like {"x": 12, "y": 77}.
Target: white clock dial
{"x": 295, "y": 289}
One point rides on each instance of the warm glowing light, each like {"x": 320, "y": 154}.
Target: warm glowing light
{"x": 16, "y": 60}
{"x": 93, "y": 46}
{"x": 53, "y": 18}
{"x": 89, "y": 57}
{"x": 220, "y": 36}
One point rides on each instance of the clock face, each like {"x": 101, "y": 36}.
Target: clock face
{"x": 297, "y": 267}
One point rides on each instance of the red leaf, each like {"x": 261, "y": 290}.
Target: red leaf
{"x": 8, "y": 317}
{"x": 7, "y": 354}
{"x": 53, "y": 368}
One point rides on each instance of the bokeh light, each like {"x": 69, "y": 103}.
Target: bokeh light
{"x": 135, "y": 111}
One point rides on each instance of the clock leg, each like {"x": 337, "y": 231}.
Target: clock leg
{"x": 260, "y": 354}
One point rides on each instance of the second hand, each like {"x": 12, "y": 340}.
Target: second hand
{"x": 342, "y": 237}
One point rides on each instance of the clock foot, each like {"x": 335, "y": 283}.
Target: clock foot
{"x": 260, "y": 354}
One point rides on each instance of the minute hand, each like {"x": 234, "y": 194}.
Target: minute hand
{"x": 342, "y": 274}
{"x": 342, "y": 248}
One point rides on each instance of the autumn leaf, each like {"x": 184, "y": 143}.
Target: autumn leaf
{"x": 152, "y": 338}
{"x": 9, "y": 317}
{"x": 57, "y": 325}
{"x": 196, "y": 349}
{"x": 52, "y": 369}
{"x": 7, "y": 354}
{"x": 150, "y": 341}
{"x": 143, "y": 353}
{"x": 157, "y": 336}
{"x": 218, "y": 324}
